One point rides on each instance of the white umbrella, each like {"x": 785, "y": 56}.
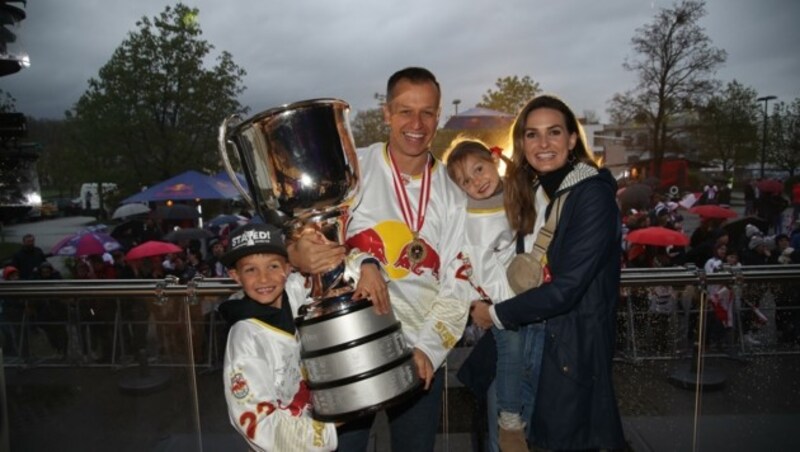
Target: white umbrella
{"x": 129, "y": 210}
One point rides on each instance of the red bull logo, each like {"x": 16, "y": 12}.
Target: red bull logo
{"x": 370, "y": 242}
{"x": 429, "y": 259}
{"x": 300, "y": 402}
{"x": 239, "y": 387}
{"x": 389, "y": 242}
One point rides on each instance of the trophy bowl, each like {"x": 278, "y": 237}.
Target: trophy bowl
{"x": 301, "y": 167}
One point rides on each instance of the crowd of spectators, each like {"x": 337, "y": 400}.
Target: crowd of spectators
{"x": 95, "y": 317}
{"x": 765, "y": 235}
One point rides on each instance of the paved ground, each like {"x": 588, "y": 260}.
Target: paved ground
{"x": 80, "y": 409}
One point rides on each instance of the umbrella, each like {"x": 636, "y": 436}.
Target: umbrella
{"x": 187, "y": 234}
{"x": 129, "y": 210}
{"x": 657, "y": 236}
{"x": 85, "y": 243}
{"x": 737, "y": 229}
{"x": 223, "y": 220}
{"x": 177, "y": 212}
{"x": 713, "y": 211}
{"x": 635, "y": 196}
{"x": 770, "y": 186}
{"x": 152, "y": 248}
{"x": 186, "y": 186}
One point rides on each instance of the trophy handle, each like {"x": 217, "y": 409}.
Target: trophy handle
{"x": 222, "y": 145}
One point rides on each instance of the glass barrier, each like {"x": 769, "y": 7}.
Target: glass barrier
{"x": 703, "y": 362}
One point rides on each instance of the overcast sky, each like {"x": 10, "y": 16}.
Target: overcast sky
{"x": 294, "y": 50}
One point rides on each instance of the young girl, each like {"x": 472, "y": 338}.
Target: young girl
{"x": 490, "y": 248}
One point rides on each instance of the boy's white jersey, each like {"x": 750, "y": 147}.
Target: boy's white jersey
{"x": 268, "y": 400}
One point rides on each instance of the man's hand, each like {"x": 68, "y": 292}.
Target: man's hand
{"x": 372, "y": 285}
{"x": 479, "y": 311}
{"x": 313, "y": 253}
{"x": 424, "y": 367}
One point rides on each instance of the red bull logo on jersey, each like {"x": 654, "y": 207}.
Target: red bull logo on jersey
{"x": 389, "y": 242}
{"x": 239, "y": 387}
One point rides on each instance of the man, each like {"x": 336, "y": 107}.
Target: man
{"x": 28, "y": 258}
{"x": 410, "y": 216}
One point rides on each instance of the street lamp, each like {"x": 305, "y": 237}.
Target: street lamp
{"x": 455, "y": 104}
{"x": 766, "y": 100}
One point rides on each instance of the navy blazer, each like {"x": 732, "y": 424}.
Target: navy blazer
{"x": 576, "y": 407}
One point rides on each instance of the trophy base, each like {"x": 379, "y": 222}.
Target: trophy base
{"x": 357, "y": 361}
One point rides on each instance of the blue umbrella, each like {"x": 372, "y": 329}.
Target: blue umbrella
{"x": 186, "y": 186}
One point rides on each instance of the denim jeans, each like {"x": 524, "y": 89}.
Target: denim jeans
{"x": 508, "y": 379}
{"x": 412, "y": 425}
{"x": 532, "y": 339}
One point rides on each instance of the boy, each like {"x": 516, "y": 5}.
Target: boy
{"x": 268, "y": 401}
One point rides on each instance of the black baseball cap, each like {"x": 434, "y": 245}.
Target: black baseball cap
{"x": 253, "y": 239}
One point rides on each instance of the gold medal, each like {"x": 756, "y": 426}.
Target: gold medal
{"x": 416, "y": 251}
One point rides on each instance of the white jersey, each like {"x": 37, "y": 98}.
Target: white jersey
{"x": 268, "y": 400}
{"x": 423, "y": 295}
{"x": 489, "y": 249}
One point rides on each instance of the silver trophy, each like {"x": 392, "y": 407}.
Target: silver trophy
{"x": 300, "y": 164}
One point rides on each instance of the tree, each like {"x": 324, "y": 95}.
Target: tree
{"x": 368, "y": 125}
{"x": 154, "y": 109}
{"x": 674, "y": 67}
{"x": 7, "y": 102}
{"x": 727, "y": 130}
{"x": 512, "y": 94}
{"x": 784, "y": 137}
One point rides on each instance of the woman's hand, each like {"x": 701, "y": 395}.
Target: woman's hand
{"x": 313, "y": 253}
{"x": 479, "y": 311}
{"x": 372, "y": 285}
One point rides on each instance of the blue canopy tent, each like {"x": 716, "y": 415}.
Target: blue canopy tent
{"x": 190, "y": 185}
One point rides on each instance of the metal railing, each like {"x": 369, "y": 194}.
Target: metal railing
{"x": 170, "y": 290}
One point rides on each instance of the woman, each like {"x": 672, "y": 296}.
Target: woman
{"x": 575, "y": 406}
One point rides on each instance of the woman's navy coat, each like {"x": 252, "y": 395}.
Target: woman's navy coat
{"x": 576, "y": 407}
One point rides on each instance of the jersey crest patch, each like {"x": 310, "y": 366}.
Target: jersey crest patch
{"x": 239, "y": 387}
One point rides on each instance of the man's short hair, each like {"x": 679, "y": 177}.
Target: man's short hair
{"x": 414, "y": 75}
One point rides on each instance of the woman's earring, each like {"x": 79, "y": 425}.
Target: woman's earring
{"x": 571, "y": 159}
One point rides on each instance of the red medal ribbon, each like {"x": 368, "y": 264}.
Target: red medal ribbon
{"x": 402, "y": 195}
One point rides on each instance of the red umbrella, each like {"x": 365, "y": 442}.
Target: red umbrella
{"x": 152, "y": 248}
{"x": 770, "y": 186}
{"x": 657, "y": 236}
{"x": 85, "y": 243}
{"x": 713, "y": 211}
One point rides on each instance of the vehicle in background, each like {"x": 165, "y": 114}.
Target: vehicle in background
{"x": 91, "y": 200}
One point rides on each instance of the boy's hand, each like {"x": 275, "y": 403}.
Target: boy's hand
{"x": 424, "y": 367}
{"x": 479, "y": 311}
{"x": 313, "y": 253}
{"x": 372, "y": 285}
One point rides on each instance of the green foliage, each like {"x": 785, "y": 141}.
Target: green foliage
{"x": 728, "y": 125}
{"x": 153, "y": 110}
{"x": 7, "y": 102}
{"x": 511, "y": 95}
{"x": 369, "y": 127}
{"x": 675, "y": 63}
{"x": 783, "y": 137}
